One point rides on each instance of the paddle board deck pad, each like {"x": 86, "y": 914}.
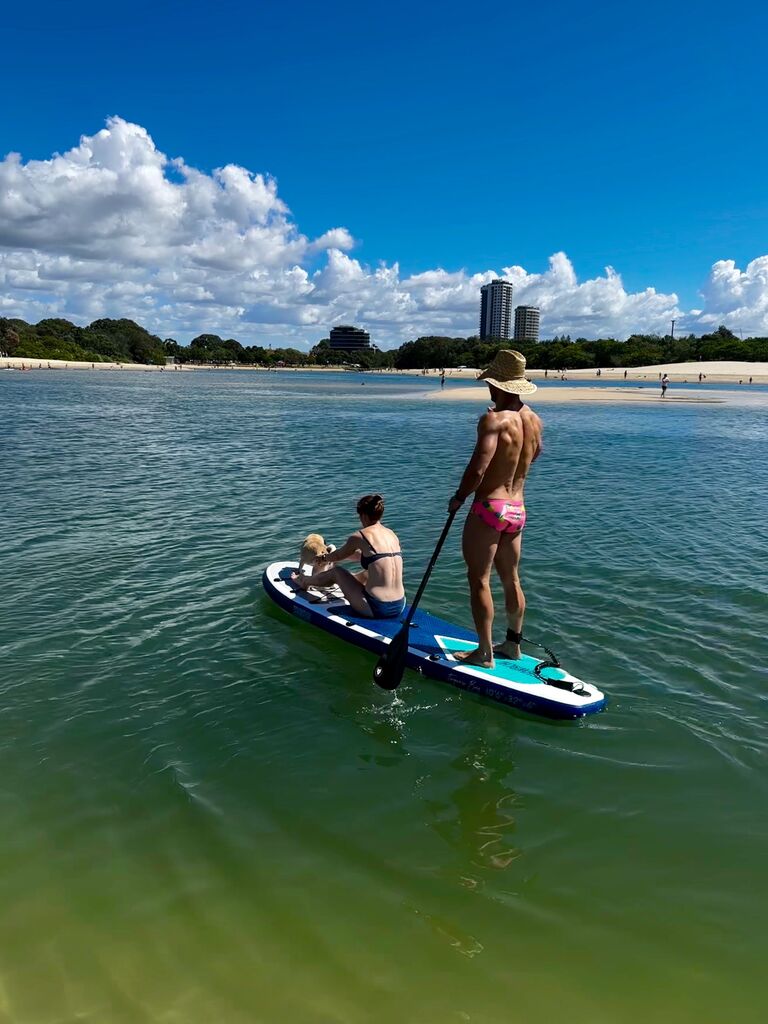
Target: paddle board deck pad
{"x": 432, "y": 650}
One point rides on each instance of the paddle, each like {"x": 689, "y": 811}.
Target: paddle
{"x": 391, "y": 665}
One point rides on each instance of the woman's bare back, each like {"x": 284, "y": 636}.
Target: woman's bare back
{"x": 385, "y": 575}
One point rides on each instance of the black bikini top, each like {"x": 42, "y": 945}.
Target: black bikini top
{"x": 366, "y": 560}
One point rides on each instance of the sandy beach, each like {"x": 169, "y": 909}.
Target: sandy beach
{"x": 25, "y": 363}
{"x": 546, "y": 394}
{"x": 713, "y": 372}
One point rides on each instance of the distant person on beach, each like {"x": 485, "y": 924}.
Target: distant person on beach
{"x": 509, "y": 437}
{"x": 664, "y": 385}
{"x": 625, "y": 375}
{"x": 442, "y": 379}
{"x": 377, "y": 591}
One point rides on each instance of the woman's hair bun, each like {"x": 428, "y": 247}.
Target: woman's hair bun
{"x": 371, "y": 505}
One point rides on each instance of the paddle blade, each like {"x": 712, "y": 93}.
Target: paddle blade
{"x": 391, "y": 665}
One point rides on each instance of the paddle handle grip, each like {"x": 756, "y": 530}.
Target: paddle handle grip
{"x": 431, "y": 566}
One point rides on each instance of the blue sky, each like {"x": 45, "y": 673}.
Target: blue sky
{"x": 445, "y": 135}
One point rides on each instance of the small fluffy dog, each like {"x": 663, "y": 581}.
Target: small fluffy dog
{"x": 312, "y": 547}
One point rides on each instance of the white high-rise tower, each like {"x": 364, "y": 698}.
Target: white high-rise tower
{"x": 527, "y": 323}
{"x": 496, "y": 310}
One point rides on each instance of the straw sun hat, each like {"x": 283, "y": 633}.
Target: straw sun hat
{"x": 507, "y": 373}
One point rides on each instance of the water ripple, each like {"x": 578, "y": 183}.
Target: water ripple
{"x": 211, "y": 814}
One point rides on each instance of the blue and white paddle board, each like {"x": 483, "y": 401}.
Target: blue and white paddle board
{"x": 432, "y": 650}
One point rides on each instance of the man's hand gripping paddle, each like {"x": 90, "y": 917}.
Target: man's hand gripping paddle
{"x": 391, "y": 665}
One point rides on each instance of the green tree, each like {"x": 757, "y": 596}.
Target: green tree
{"x": 9, "y": 337}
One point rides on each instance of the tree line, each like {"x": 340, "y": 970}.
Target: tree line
{"x": 125, "y": 341}
{"x": 560, "y": 353}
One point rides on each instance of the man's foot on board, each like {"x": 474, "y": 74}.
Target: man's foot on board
{"x": 507, "y": 650}
{"x": 299, "y": 581}
{"x": 475, "y": 657}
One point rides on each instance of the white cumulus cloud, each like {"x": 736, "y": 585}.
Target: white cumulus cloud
{"x": 738, "y": 296}
{"x": 114, "y": 227}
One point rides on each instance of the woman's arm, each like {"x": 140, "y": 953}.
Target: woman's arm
{"x": 345, "y": 553}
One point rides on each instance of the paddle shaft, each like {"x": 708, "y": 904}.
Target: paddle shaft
{"x": 430, "y": 567}
{"x": 390, "y": 667}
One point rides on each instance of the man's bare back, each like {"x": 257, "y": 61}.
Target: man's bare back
{"x": 518, "y": 444}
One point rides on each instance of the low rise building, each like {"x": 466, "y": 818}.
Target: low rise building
{"x": 349, "y": 339}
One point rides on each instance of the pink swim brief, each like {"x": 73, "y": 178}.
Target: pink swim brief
{"x": 503, "y": 515}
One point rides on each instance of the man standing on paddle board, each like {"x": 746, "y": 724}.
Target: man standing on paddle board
{"x": 509, "y": 437}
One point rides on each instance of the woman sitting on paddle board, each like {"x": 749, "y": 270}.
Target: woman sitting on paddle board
{"x": 376, "y": 592}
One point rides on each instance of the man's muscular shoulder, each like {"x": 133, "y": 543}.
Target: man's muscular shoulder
{"x": 496, "y": 421}
{"x": 531, "y": 418}
{"x": 489, "y": 422}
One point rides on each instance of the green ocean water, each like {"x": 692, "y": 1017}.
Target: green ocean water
{"x": 209, "y": 814}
